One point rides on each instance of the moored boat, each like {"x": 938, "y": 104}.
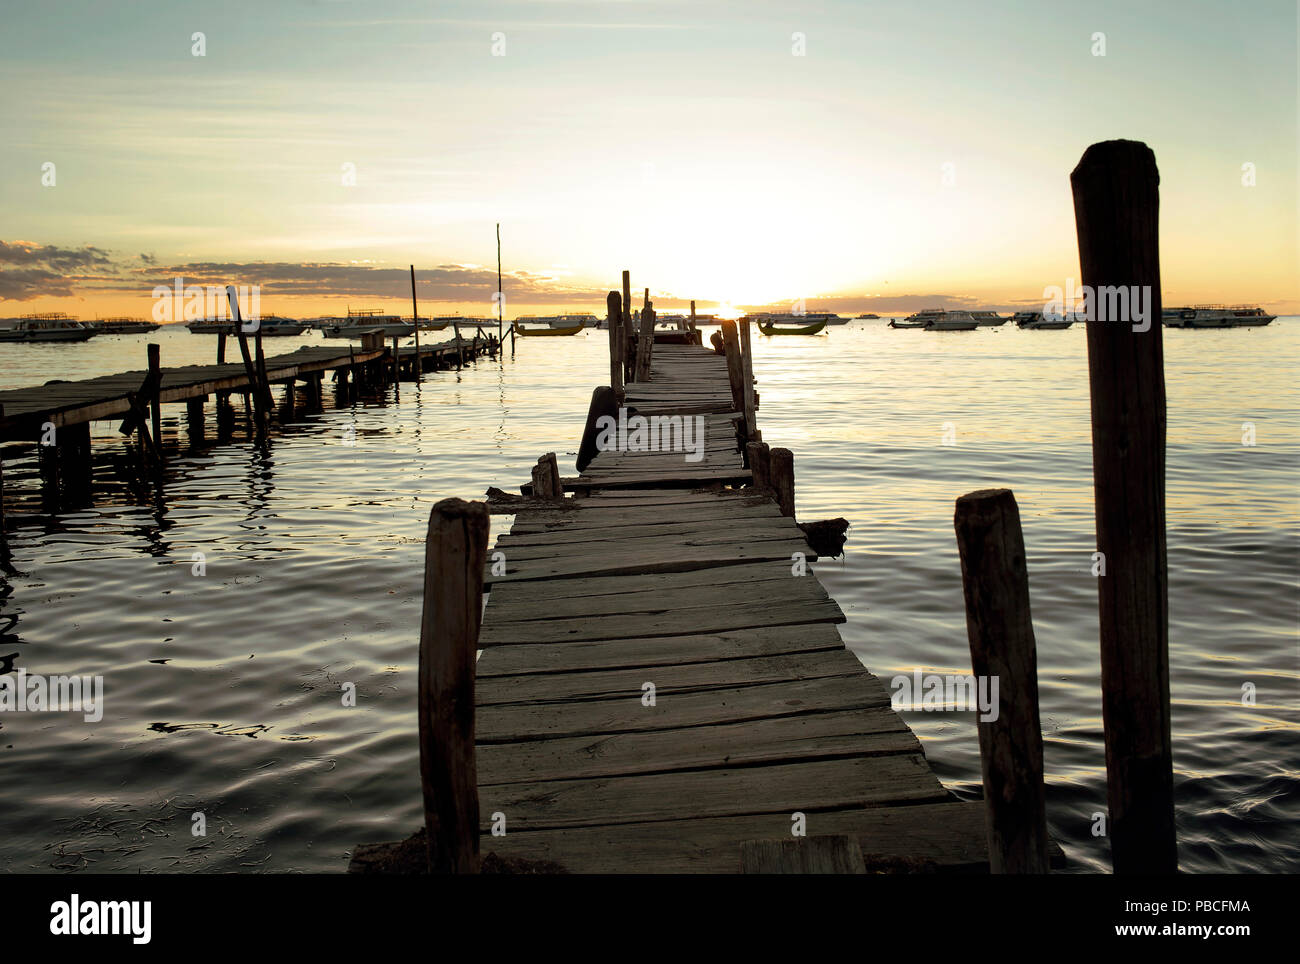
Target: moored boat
{"x": 120, "y": 326}
{"x": 1043, "y": 320}
{"x": 989, "y": 319}
{"x": 543, "y": 326}
{"x": 1216, "y": 316}
{"x": 270, "y": 326}
{"x": 54, "y": 326}
{"x": 359, "y": 321}
{"x": 807, "y": 323}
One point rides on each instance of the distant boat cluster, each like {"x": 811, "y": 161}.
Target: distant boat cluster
{"x": 1202, "y": 316}
{"x": 59, "y": 327}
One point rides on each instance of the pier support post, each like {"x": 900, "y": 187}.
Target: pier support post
{"x": 4, "y": 539}
{"x": 194, "y": 426}
{"x": 155, "y": 404}
{"x": 758, "y": 457}
{"x": 995, "y": 582}
{"x": 735, "y": 368}
{"x": 1116, "y": 207}
{"x": 645, "y": 341}
{"x": 546, "y": 478}
{"x": 626, "y": 332}
{"x": 221, "y": 348}
{"x": 603, "y": 403}
{"x": 614, "y": 319}
{"x": 781, "y": 469}
{"x": 747, "y": 380}
{"x": 455, "y": 551}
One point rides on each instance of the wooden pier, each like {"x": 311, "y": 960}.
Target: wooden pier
{"x": 661, "y": 686}
{"x": 58, "y": 414}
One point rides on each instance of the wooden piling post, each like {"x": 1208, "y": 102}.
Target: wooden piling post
{"x": 735, "y": 366}
{"x": 614, "y": 318}
{"x": 995, "y": 582}
{"x": 758, "y": 456}
{"x": 415, "y": 328}
{"x": 251, "y": 372}
{"x": 604, "y": 403}
{"x": 546, "y": 478}
{"x": 155, "y": 403}
{"x": 781, "y": 477}
{"x": 4, "y": 539}
{"x": 221, "y": 348}
{"x": 692, "y": 316}
{"x": 194, "y": 422}
{"x": 626, "y": 330}
{"x": 747, "y": 380}
{"x": 455, "y": 551}
{"x": 645, "y": 341}
{"x": 397, "y": 365}
{"x": 1116, "y": 207}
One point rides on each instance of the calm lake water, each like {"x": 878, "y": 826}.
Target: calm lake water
{"x": 223, "y": 690}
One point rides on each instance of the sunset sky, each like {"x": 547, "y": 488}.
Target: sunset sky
{"x": 685, "y": 140}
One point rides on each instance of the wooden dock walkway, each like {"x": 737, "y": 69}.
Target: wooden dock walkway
{"x": 662, "y": 688}
{"x": 107, "y": 396}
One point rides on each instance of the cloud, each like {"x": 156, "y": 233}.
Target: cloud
{"x": 29, "y": 270}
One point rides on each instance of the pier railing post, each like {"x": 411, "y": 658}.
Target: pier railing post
{"x": 1116, "y": 207}
{"x": 614, "y": 318}
{"x": 455, "y": 550}
{"x": 995, "y": 582}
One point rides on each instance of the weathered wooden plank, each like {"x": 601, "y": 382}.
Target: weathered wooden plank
{"x": 823, "y": 854}
{"x": 656, "y": 651}
{"x": 649, "y": 601}
{"x": 561, "y": 545}
{"x": 867, "y": 732}
{"x": 944, "y": 837}
{"x": 718, "y": 576}
{"x": 779, "y": 788}
{"x": 667, "y": 622}
{"x": 693, "y": 678}
{"x": 515, "y": 724}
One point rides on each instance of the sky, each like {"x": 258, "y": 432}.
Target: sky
{"x": 881, "y": 156}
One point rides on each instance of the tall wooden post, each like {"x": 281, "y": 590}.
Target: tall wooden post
{"x": 1116, "y": 206}
{"x": 501, "y": 307}
{"x": 735, "y": 366}
{"x": 758, "y": 456}
{"x": 645, "y": 341}
{"x": 747, "y": 375}
{"x": 415, "y": 327}
{"x": 155, "y": 403}
{"x": 4, "y": 539}
{"x": 626, "y": 336}
{"x": 614, "y": 318}
{"x": 1001, "y": 635}
{"x": 692, "y": 316}
{"x": 397, "y": 366}
{"x": 221, "y": 348}
{"x": 455, "y": 551}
